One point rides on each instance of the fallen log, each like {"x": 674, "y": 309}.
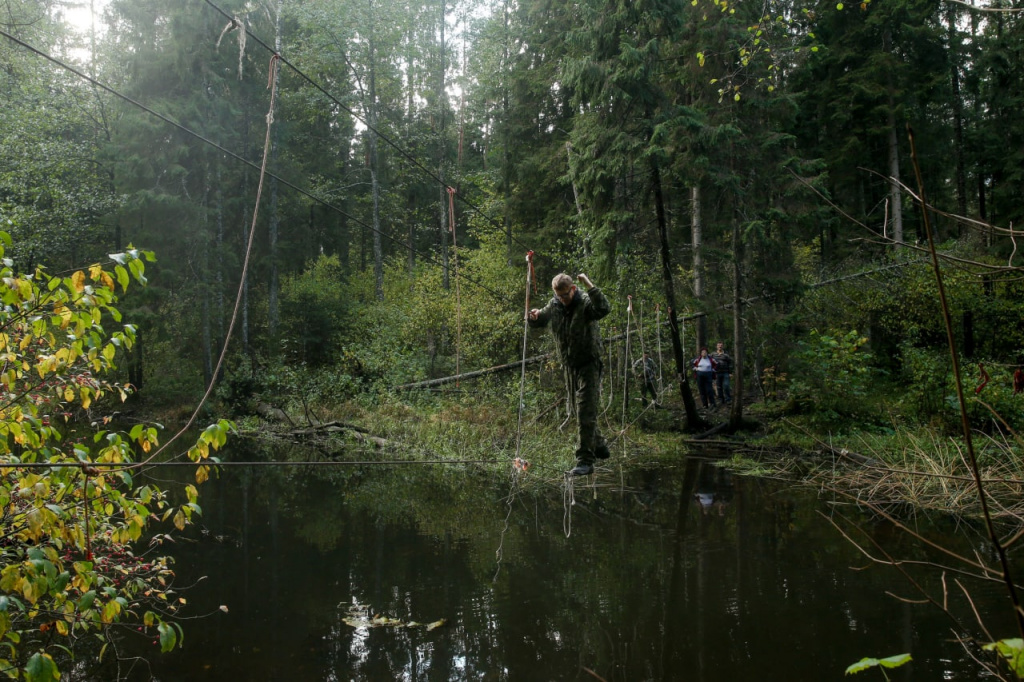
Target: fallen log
{"x": 318, "y": 428}
{"x": 474, "y": 374}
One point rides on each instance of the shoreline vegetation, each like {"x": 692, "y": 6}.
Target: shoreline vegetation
{"x": 893, "y": 470}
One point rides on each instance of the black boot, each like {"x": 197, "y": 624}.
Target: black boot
{"x": 582, "y": 469}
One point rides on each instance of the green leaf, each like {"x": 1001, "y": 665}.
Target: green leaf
{"x": 862, "y": 665}
{"x": 41, "y": 668}
{"x": 1012, "y": 650}
{"x": 895, "y": 661}
{"x": 122, "y": 277}
{"x": 168, "y": 637}
{"x": 87, "y": 599}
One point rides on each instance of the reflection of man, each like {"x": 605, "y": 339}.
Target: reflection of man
{"x": 648, "y": 373}
{"x": 572, "y": 316}
{"x": 724, "y": 368}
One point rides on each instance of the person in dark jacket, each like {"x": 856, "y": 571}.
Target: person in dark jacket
{"x": 572, "y": 316}
{"x": 722, "y": 373}
{"x": 647, "y": 373}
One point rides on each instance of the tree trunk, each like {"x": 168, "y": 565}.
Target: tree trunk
{"x": 410, "y": 114}
{"x": 136, "y": 368}
{"x": 443, "y": 204}
{"x": 219, "y": 257}
{"x": 245, "y": 283}
{"x": 958, "y": 114}
{"x": 736, "y": 412}
{"x": 506, "y": 169}
{"x": 378, "y": 249}
{"x": 693, "y": 420}
{"x": 697, "y": 235}
{"x": 204, "y": 283}
{"x": 274, "y": 219}
{"x": 895, "y": 195}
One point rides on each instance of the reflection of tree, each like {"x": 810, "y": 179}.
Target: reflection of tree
{"x": 645, "y": 588}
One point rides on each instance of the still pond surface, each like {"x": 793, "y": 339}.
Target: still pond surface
{"x": 674, "y": 573}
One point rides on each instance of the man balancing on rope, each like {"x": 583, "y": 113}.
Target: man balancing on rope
{"x": 573, "y": 315}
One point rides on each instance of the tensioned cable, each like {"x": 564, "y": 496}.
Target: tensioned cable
{"x": 235, "y": 156}
{"x": 210, "y": 463}
{"x": 394, "y": 145}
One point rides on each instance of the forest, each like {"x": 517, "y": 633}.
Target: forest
{"x": 301, "y": 214}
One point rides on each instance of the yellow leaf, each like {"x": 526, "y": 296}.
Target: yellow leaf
{"x": 94, "y": 271}
{"x": 179, "y": 520}
{"x": 78, "y": 280}
{"x": 108, "y": 281}
{"x": 69, "y": 394}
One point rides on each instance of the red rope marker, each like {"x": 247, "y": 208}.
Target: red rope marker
{"x": 984, "y": 379}
{"x": 531, "y": 276}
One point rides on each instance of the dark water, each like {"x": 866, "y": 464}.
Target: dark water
{"x": 649, "y": 584}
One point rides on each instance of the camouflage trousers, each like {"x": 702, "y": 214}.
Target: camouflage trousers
{"x": 583, "y": 386}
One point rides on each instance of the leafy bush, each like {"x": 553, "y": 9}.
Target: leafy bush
{"x": 313, "y": 310}
{"x": 832, "y": 373}
{"x": 70, "y": 510}
{"x": 926, "y": 382}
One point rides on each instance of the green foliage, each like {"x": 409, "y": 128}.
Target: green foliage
{"x": 70, "y": 509}
{"x": 420, "y": 329}
{"x": 1012, "y": 651}
{"x": 313, "y": 310}
{"x": 832, "y": 372}
{"x": 880, "y": 663}
{"x": 925, "y": 379}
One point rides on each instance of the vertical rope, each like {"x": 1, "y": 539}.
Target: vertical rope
{"x": 272, "y": 86}
{"x": 458, "y": 288}
{"x": 530, "y": 278}
{"x": 657, "y": 326}
{"x": 640, "y": 327}
{"x": 625, "y": 379}
{"x": 519, "y": 466}
{"x": 568, "y": 502}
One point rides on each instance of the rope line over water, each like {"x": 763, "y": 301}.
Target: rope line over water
{"x": 121, "y": 466}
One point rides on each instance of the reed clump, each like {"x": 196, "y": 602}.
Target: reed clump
{"x": 930, "y": 472}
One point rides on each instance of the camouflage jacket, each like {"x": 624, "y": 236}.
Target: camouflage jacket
{"x": 724, "y": 362}
{"x": 574, "y": 327}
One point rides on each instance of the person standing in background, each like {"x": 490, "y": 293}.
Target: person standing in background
{"x": 704, "y": 365}
{"x": 724, "y": 369}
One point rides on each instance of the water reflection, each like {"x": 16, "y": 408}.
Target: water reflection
{"x": 686, "y": 573}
